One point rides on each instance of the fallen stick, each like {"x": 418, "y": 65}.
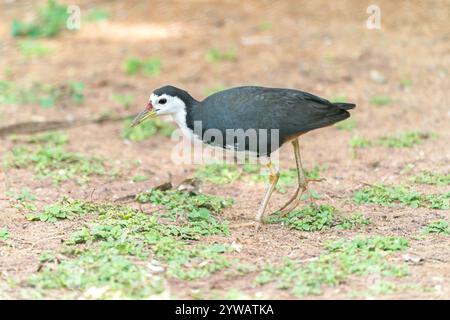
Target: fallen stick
{"x": 36, "y": 126}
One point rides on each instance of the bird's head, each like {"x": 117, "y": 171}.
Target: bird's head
{"x": 166, "y": 100}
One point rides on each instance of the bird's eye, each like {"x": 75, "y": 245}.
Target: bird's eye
{"x": 162, "y": 101}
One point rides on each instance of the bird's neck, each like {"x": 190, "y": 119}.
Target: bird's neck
{"x": 184, "y": 117}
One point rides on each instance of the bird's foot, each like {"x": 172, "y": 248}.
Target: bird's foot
{"x": 286, "y": 209}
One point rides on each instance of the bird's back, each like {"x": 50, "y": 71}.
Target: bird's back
{"x": 292, "y": 112}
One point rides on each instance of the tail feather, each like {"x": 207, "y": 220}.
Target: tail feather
{"x": 344, "y": 106}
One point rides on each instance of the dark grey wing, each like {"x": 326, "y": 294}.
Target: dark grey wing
{"x": 290, "y": 111}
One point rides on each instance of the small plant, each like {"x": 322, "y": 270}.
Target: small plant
{"x": 340, "y": 261}
{"x": 432, "y": 178}
{"x": 22, "y": 201}
{"x": 65, "y": 209}
{"x": 152, "y": 67}
{"x": 24, "y": 195}
{"x": 128, "y": 254}
{"x": 439, "y": 227}
{"x": 54, "y": 138}
{"x": 97, "y": 14}
{"x": 381, "y": 100}
{"x": 288, "y": 178}
{"x": 224, "y": 173}
{"x": 354, "y": 221}
{"x": 125, "y": 100}
{"x": 404, "y": 140}
{"x": 406, "y": 83}
{"x": 43, "y": 94}
{"x": 357, "y": 142}
{"x": 341, "y": 98}
{"x": 50, "y": 21}
{"x": 178, "y": 201}
{"x": 32, "y": 48}
{"x": 215, "y": 55}
{"x": 147, "y": 129}
{"x": 139, "y": 178}
{"x": 76, "y": 90}
{"x": 308, "y": 218}
{"x": 265, "y": 26}
{"x": 132, "y": 66}
{"x": 390, "y": 195}
{"x": 311, "y": 218}
{"x": 4, "y": 234}
{"x": 218, "y": 173}
{"x": 49, "y": 158}
{"x": 149, "y": 67}
{"x": 346, "y": 125}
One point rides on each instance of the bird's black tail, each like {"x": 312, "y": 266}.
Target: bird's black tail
{"x": 345, "y": 106}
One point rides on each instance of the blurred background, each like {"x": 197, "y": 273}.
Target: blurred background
{"x": 125, "y": 49}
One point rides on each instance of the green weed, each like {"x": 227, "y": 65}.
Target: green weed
{"x": 354, "y": 221}
{"x": 147, "y": 129}
{"x": 381, "y": 100}
{"x": 341, "y": 98}
{"x": 32, "y": 48}
{"x": 178, "y": 201}
{"x": 49, "y": 158}
{"x": 346, "y": 125}
{"x": 139, "y": 178}
{"x": 76, "y": 91}
{"x": 23, "y": 200}
{"x": 44, "y": 95}
{"x": 356, "y": 143}
{"x": 308, "y": 218}
{"x": 224, "y": 173}
{"x": 97, "y": 14}
{"x": 125, "y": 100}
{"x": 132, "y": 66}
{"x": 288, "y": 178}
{"x": 404, "y": 139}
{"x": 406, "y": 83}
{"x": 51, "y": 20}
{"x": 437, "y": 227}
{"x": 265, "y": 26}
{"x": 432, "y": 178}
{"x": 341, "y": 260}
{"x": 311, "y": 218}
{"x": 149, "y": 67}
{"x": 152, "y": 67}
{"x": 65, "y": 209}
{"x": 216, "y": 55}
{"x": 403, "y": 195}
{"x": 112, "y": 252}
{"x": 41, "y": 94}
{"x": 218, "y": 173}
{"x": 4, "y": 234}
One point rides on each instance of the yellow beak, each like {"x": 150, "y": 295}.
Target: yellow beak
{"x": 148, "y": 113}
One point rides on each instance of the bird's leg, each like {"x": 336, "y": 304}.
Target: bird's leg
{"x": 274, "y": 175}
{"x": 302, "y": 180}
{"x": 273, "y": 179}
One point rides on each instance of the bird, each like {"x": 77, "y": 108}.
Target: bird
{"x": 252, "y": 119}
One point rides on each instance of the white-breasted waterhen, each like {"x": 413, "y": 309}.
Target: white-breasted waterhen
{"x": 289, "y": 112}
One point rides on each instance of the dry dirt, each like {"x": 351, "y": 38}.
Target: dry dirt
{"x": 321, "y": 47}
